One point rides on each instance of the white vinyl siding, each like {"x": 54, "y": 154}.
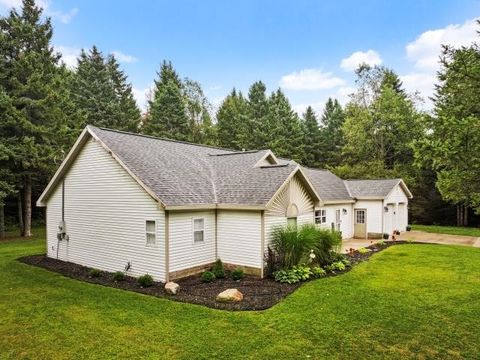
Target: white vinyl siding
{"x": 397, "y": 216}
{"x": 374, "y": 214}
{"x": 105, "y": 216}
{"x": 185, "y": 252}
{"x": 239, "y": 237}
{"x": 346, "y": 220}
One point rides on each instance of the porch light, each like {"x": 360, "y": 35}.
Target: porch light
{"x": 385, "y": 208}
{"x": 344, "y": 211}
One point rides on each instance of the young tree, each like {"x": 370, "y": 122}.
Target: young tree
{"x": 167, "y": 115}
{"x": 198, "y": 112}
{"x": 453, "y": 144}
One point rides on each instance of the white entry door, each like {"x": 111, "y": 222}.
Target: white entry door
{"x": 360, "y": 223}
{"x": 338, "y": 221}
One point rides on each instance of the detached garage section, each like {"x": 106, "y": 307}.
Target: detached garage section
{"x": 381, "y": 207}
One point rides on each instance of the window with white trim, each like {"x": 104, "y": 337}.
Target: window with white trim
{"x": 150, "y": 231}
{"x": 292, "y": 221}
{"x": 198, "y": 230}
{"x": 321, "y": 216}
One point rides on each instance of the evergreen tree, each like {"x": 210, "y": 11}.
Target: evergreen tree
{"x": 29, "y": 79}
{"x": 167, "y": 115}
{"x": 198, "y": 112}
{"x": 312, "y": 139}
{"x": 232, "y": 122}
{"x": 283, "y": 131}
{"x": 331, "y": 142}
{"x": 258, "y": 111}
{"x": 130, "y": 116}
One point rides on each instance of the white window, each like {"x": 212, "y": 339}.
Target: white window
{"x": 321, "y": 216}
{"x": 198, "y": 230}
{"x": 292, "y": 221}
{"x": 151, "y": 233}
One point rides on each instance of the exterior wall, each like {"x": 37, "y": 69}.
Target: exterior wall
{"x": 374, "y": 215}
{"x": 397, "y": 216}
{"x": 105, "y": 214}
{"x": 346, "y": 220}
{"x": 184, "y": 252}
{"x": 293, "y": 192}
{"x": 239, "y": 237}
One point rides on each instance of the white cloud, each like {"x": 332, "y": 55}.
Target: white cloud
{"x": 420, "y": 82}
{"x": 370, "y": 57}
{"x": 69, "y": 55}
{"x": 124, "y": 58}
{"x": 310, "y": 79}
{"x": 64, "y": 17}
{"x": 142, "y": 96}
{"x": 426, "y": 49}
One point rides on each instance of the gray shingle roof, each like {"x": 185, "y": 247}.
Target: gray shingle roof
{"x": 328, "y": 186}
{"x": 188, "y": 174}
{"x": 371, "y": 188}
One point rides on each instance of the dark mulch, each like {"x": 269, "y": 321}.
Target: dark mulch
{"x": 258, "y": 293}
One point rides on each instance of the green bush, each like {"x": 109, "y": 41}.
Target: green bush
{"x": 208, "y": 277}
{"x": 303, "y": 272}
{"x": 238, "y": 274}
{"x": 145, "y": 280}
{"x": 317, "y": 271}
{"x": 293, "y": 245}
{"x": 94, "y": 273}
{"x": 119, "y": 276}
{"x": 363, "y": 250}
{"x": 335, "y": 266}
{"x": 286, "y": 276}
{"x": 381, "y": 243}
{"x": 218, "y": 269}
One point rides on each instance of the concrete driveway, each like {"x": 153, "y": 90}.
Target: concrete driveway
{"x": 420, "y": 236}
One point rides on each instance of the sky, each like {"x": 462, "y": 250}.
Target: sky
{"x": 307, "y": 48}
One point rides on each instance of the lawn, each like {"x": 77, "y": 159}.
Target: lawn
{"x": 409, "y": 301}
{"x": 451, "y": 230}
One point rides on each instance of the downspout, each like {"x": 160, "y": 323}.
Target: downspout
{"x": 262, "y": 241}
{"x": 216, "y": 233}
{"x": 59, "y": 235}
{"x": 167, "y": 246}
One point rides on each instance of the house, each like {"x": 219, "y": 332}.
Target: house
{"x": 170, "y": 208}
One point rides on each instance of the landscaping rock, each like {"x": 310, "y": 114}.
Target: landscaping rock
{"x": 172, "y": 288}
{"x": 230, "y": 295}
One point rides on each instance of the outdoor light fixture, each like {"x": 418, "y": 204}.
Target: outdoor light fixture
{"x": 385, "y": 208}
{"x": 344, "y": 211}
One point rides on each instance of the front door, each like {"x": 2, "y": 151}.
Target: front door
{"x": 338, "y": 221}
{"x": 360, "y": 224}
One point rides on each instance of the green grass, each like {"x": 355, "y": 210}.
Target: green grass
{"x": 409, "y": 301}
{"x": 451, "y": 230}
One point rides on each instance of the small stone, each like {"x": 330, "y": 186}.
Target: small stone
{"x": 230, "y": 295}
{"x": 172, "y": 288}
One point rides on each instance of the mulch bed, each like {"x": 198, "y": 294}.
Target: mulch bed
{"x": 259, "y": 294}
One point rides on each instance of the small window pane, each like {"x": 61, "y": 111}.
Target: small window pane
{"x": 150, "y": 239}
{"x": 198, "y": 236}
{"x": 198, "y": 224}
{"x": 150, "y": 226}
{"x": 292, "y": 221}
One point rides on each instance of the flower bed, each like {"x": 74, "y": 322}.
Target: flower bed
{"x": 258, "y": 293}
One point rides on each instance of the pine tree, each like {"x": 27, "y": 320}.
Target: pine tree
{"x": 283, "y": 132}
{"x": 232, "y": 118}
{"x": 258, "y": 110}
{"x": 130, "y": 115}
{"x": 167, "y": 115}
{"x": 331, "y": 142}
{"x": 28, "y": 77}
{"x": 312, "y": 139}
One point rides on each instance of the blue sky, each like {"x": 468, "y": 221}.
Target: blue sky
{"x": 308, "y": 48}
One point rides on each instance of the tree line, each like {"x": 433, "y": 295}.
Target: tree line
{"x": 381, "y": 132}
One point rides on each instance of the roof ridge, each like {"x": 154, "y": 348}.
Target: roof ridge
{"x": 377, "y": 179}
{"x": 237, "y": 153}
{"x": 164, "y": 139}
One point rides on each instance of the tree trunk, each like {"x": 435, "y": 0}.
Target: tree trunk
{"x": 459, "y": 218}
{"x": 20, "y": 214}
{"x": 465, "y": 215}
{"x": 27, "y": 192}
{"x": 2, "y": 221}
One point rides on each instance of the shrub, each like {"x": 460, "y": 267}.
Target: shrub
{"x": 208, "y": 277}
{"x": 119, "y": 276}
{"x": 363, "y": 251}
{"x": 238, "y": 274}
{"x": 336, "y": 266}
{"x": 218, "y": 269}
{"x": 286, "y": 276}
{"x": 94, "y": 273}
{"x": 292, "y": 245}
{"x": 303, "y": 272}
{"x": 381, "y": 243}
{"x": 317, "y": 271}
{"x": 145, "y": 280}
{"x": 409, "y": 227}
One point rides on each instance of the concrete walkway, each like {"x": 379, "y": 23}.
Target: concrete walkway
{"x": 417, "y": 236}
